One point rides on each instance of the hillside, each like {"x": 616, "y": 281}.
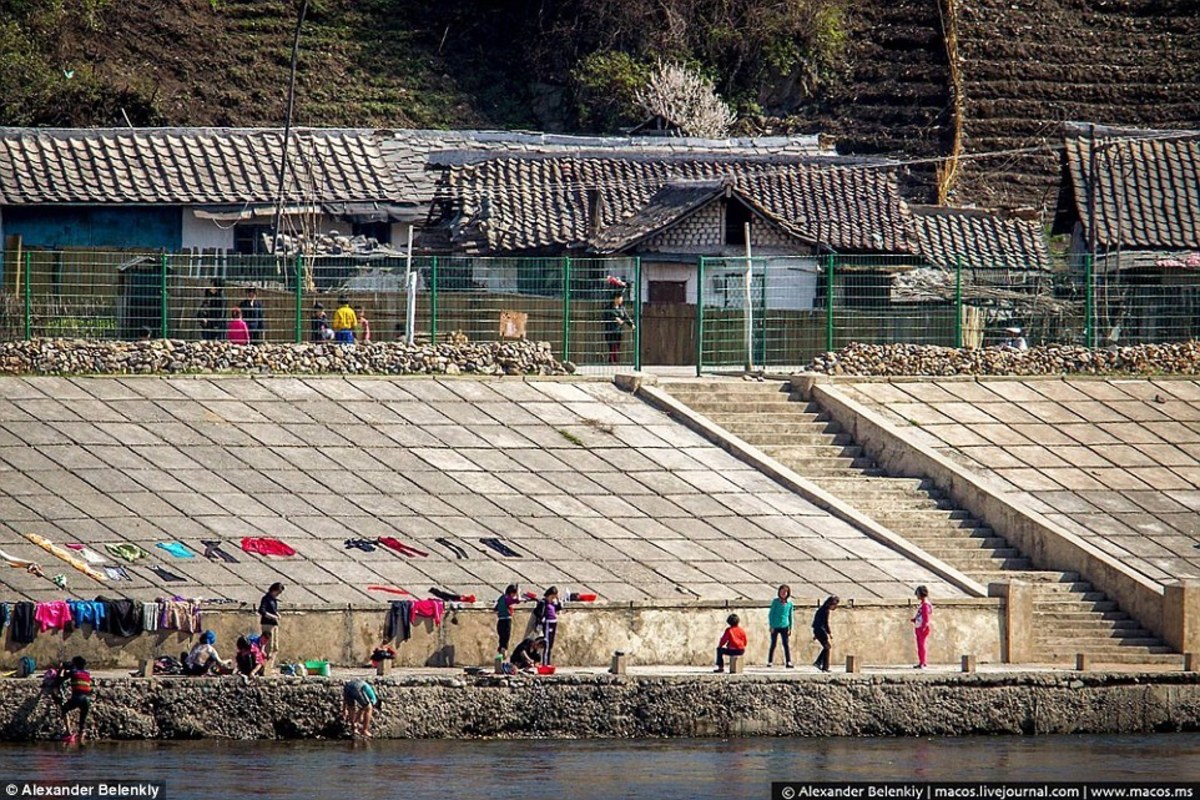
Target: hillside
{"x": 875, "y": 74}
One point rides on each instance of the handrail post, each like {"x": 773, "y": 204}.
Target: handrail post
{"x": 637, "y": 315}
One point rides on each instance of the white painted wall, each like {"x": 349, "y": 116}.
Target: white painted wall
{"x": 666, "y": 271}
{"x": 204, "y": 234}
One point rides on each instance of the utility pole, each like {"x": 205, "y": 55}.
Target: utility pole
{"x": 287, "y": 129}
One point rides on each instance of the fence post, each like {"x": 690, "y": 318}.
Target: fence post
{"x": 164, "y": 305}
{"x": 829, "y": 303}
{"x": 762, "y": 317}
{"x": 958, "y": 306}
{"x": 566, "y": 325}
{"x": 637, "y": 315}
{"x": 700, "y": 316}
{"x": 299, "y": 269}
{"x": 1089, "y": 302}
{"x": 27, "y": 287}
{"x": 433, "y": 309}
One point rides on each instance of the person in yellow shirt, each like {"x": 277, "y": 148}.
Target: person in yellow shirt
{"x": 344, "y": 322}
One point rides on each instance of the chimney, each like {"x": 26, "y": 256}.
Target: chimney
{"x": 594, "y": 205}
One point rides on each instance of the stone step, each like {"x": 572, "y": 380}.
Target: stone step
{"x": 1093, "y": 629}
{"x": 885, "y": 485}
{"x": 795, "y": 434}
{"x": 816, "y": 467}
{"x": 1100, "y": 644}
{"x": 976, "y": 564}
{"x": 1046, "y": 580}
{"x": 973, "y": 541}
{"x": 798, "y": 441}
{"x": 868, "y": 501}
{"x": 754, "y": 405}
{"x": 737, "y": 386}
{"x": 802, "y": 424}
{"x": 1102, "y": 606}
{"x": 845, "y": 474}
{"x": 1122, "y": 658}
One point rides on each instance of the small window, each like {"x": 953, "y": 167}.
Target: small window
{"x": 668, "y": 292}
{"x": 736, "y": 217}
{"x": 379, "y": 231}
{"x": 251, "y": 239}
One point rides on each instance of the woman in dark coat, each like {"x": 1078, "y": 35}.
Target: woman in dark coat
{"x": 212, "y": 311}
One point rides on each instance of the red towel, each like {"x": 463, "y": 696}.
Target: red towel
{"x": 388, "y": 589}
{"x": 400, "y": 547}
{"x": 266, "y": 547}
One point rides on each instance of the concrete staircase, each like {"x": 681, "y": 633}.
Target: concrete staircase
{"x": 1070, "y": 614}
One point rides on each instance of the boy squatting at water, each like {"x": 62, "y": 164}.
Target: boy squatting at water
{"x": 359, "y": 700}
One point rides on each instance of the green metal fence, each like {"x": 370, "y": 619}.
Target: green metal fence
{"x": 129, "y": 295}
{"x": 780, "y": 312}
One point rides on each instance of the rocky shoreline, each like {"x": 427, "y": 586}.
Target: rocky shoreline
{"x": 607, "y": 706}
{"x": 173, "y": 356}
{"x": 895, "y": 360}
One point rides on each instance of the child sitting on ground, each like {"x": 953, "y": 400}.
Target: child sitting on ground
{"x": 203, "y": 659}
{"x": 528, "y": 654}
{"x": 249, "y": 659}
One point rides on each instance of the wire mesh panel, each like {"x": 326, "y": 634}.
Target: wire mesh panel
{"x": 880, "y": 300}
{"x": 602, "y": 304}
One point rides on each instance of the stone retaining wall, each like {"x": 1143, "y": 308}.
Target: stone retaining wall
{"x": 604, "y": 706}
{"x": 652, "y": 633}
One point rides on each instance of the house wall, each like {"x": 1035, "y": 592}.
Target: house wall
{"x": 703, "y": 233}
{"x": 204, "y": 234}
{"x": 100, "y": 227}
{"x": 670, "y": 271}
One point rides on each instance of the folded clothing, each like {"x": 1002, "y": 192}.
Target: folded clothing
{"x": 177, "y": 549}
{"x": 126, "y": 550}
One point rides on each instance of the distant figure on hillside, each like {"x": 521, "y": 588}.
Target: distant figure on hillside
{"x": 1015, "y": 339}
{"x": 344, "y": 322}
{"x": 359, "y": 699}
{"x": 211, "y": 313}
{"x": 252, "y": 313}
{"x": 920, "y": 623}
{"x": 733, "y": 642}
{"x": 237, "y": 331}
{"x": 779, "y": 618}
{"x": 364, "y": 324}
{"x": 616, "y": 319}
{"x": 823, "y": 633}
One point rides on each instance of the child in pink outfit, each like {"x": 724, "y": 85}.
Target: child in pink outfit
{"x": 921, "y": 625}
{"x": 237, "y": 332}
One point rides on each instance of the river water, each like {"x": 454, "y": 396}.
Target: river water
{"x": 581, "y": 770}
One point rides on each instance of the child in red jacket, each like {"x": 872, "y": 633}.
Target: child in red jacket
{"x": 733, "y": 642}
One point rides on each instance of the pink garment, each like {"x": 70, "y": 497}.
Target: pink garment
{"x": 428, "y": 608}
{"x": 267, "y": 547}
{"x": 54, "y": 615}
{"x": 921, "y": 629}
{"x": 238, "y": 332}
{"x": 922, "y": 637}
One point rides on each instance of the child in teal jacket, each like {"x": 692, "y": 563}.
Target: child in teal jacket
{"x": 780, "y": 620}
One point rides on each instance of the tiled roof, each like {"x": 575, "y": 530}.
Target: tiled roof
{"x": 188, "y": 165}
{"x": 978, "y": 239}
{"x": 412, "y": 152}
{"x": 1147, "y": 188}
{"x": 531, "y": 203}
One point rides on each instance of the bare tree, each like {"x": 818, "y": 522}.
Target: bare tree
{"x": 686, "y": 99}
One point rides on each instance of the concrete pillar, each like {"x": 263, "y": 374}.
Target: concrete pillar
{"x": 853, "y": 664}
{"x": 383, "y": 667}
{"x": 620, "y": 663}
{"x": 1017, "y": 630}
{"x": 968, "y": 663}
{"x": 1083, "y": 662}
{"x": 1181, "y": 616}
{"x": 1190, "y": 662}
{"x": 802, "y": 384}
{"x": 145, "y": 668}
{"x": 737, "y": 665}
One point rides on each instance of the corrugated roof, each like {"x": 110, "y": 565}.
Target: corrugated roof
{"x": 516, "y": 204}
{"x": 978, "y": 239}
{"x": 1147, "y": 187}
{"x": 188, "y": 165}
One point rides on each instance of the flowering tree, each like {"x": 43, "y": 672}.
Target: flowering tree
{"x": 686, "y": 99}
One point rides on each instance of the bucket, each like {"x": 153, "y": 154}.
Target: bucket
{"x": 317, "y": 668}
{"x": 545, "y": 669}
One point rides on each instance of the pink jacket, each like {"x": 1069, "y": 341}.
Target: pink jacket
{"x": 238, "y": 333}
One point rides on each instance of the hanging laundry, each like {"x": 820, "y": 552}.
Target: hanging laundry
{"x": 150, "y": 612}
{"x": 89, "y": 555}
{"x": 428, "y": 608}
{"x": 126, "y": 550}
{"x": 442, "y": 594}
{"x": 66, "y": 555}
{"x": 388, "y": 589}
{"x": 54, "y": 615}
{"x": 177, "y": 549}
{"x": 266, "y": 547}
{"x": 180, "y": 615}
{"x": 366, "y": 545}
{"x": 456, "y": 550}
{"x": 87, "y": 612}
{"x": 122, "y": 617}
{"x": 213, "y": 551}
{"x": 166, "y": 575}
{"x": 399, "y": 621}
{"x": 117, "y": 574}
{"x": 400, "y": 547}
{"x": 23, "y": 625}
{"x": 5, "y": 614}
{"x": 501, "y": 548}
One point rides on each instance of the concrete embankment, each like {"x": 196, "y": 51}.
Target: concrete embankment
{"x": 604, "y": 706}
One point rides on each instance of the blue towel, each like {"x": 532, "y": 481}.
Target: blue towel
{"x": 177, "y": 549}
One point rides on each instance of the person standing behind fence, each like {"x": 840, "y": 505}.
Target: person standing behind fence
{"x": 252, "y": 313}
{"x": 921, "y": 625}
{"x": 364, "y": 325}
{"x": 616, "y": 319}
{"x": 320, "y": 325}
{"x": 779, "y": 618}
{"x": 344, "y": 322}
{"x": 237, "y": 332}
{"x": 211, "y": 313}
